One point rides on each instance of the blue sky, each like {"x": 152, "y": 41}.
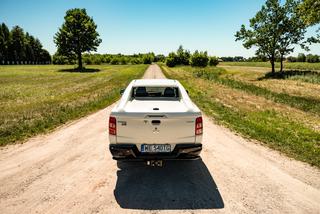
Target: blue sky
{"x": 133, "y": 26}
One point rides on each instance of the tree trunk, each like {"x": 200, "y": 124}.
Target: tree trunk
{"x": 79, "y": 61}
{"x": 281, "y": 63}
{"x": 272, "y": 65}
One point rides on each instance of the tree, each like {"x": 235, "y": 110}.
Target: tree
{"x": 309, "y": 10}
{"x": 44, "y": 56}
{"x": 291, "y": 29}
{"x": 183, "y": 56}
{"x": 159, "y": 58}
{"x": 271, "y": 32}
{"x": 148, "y": 58}
{"x": 17, "y": 45}
{"x": 29, "y": 48}
{"x": 172, "y": 60}
{"x": 2, "y": 45}
{"x": 301, "y": 57}
{"x": 291, "y": 59}
{"x": 5, "y": 41}
{"x": 199, "y": 59}
{"x": 213, "y": 61}
{"x": 77, "y": 35}
{"x": 37, "y": 47}
{"x": 312, "y": 58}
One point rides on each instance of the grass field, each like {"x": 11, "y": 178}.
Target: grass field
{"x": 287, "y": 65}
{"x": 283, "y": 121}
{"x": 34, "y": 99}
{"x": 305, "y": 86}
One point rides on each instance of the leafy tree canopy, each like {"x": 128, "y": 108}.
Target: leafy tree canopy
{"x": 77, "y": 35}
{"x": 273, "y": 30}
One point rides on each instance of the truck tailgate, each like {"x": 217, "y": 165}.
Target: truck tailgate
{"x": 171, "y": 128}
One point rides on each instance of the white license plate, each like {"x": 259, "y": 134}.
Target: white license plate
{"x": 153, "y": 148}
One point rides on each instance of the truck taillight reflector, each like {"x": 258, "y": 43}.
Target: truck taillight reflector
{"x": 112, "y": 126}
{"x": 199, "y": 126}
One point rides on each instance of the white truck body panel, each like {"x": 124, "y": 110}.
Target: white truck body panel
{"x": 135, "y": 117}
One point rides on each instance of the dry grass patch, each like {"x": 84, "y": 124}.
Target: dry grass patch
{"x": 292, "y": 87}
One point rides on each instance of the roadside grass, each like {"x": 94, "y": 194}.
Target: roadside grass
{"x": 35, "y": 99}
{"x": 215, "y": 74}
{"x": 262, "y": 120}
{"x": 287, "y": 65}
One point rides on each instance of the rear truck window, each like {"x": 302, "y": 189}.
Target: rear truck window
{"x": 154, "y": 93}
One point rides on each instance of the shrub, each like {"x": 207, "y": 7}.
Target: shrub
{"x": 199, "y": 59}
{"x": 123, "y": 60}
{"x": 114, "y": 61}
{"x": 291, "y": 59}
{"x": 107, "y": 59}
{"x": 213, "y": 61}
{"x": 148, "y": 58}
{"x": 312, "y": 58}
{"x": 59, "y": 60}
{"x": 87, "y": 60}
{"x": 183, "y": 56}
{"x": 172, "y": 60}
{"x": 159, "y": 58}
{"x": 136, "y": 60}
{"x": 301, "y": 57}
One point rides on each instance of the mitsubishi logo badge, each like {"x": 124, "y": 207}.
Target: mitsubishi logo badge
{"x": 156, "y": 130}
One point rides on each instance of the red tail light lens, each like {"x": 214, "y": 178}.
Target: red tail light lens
{"x": 199, "y": 126}
{"x": 112, "y": 126}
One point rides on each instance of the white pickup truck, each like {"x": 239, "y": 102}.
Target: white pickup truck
{"x": 155, "y": 120}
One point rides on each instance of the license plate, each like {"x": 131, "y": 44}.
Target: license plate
{"x": 154, "y": 148}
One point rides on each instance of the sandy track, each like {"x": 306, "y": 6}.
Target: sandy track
{"x": 71, "y": 171}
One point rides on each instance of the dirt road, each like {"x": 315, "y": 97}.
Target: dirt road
{"x": 71, "y": 171}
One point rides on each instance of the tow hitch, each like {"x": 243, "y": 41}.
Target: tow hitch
{"x": 155, "y": 163}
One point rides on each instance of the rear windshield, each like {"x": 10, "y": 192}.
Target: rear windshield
{"x": 161, "y": 93}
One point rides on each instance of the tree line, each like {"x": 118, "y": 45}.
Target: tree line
{"x": 184, "y": 57}
{"x": 301, "y": 57}
{"x": 18, "y": 47}
{"x": 113, "y": 59}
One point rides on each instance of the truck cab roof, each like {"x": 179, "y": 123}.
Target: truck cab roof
{"x": 155, "y": 82}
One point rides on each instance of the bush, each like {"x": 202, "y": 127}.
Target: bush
{"x": 123, "y": 60}
{"x": 136, "y": 60}
{"x": 88, "y": 60}
{"x": 107, "y": 59}
{"x": 159, "y": 58}
{"x": 259, "y": 58}
{"x": 233, "y": 59}
{"x": 213, "y": 61}
{"x": 312, "y": 58}
{"x": 148, "y": 58}
{"x": 301, "y": 57}
{"x": 199, "y": 59}
{"x": 183, "y": 56}
{"x": 114, "y": 61}
{"x": 291, "y": 59}
{"x": 59, "y": 60}
{"x": 172, "y": 60}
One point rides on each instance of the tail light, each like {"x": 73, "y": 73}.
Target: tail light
{"x": 199, "y": 126}
{"x": 112, "y": 126}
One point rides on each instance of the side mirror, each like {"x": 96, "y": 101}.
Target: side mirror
{"x": 187, "y": 91}
{"x": 122, "y": 91}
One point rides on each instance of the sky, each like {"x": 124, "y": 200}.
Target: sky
{"x": 140, "y": 26}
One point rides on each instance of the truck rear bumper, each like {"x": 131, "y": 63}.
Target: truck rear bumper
{"x": 131, "y": 152}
